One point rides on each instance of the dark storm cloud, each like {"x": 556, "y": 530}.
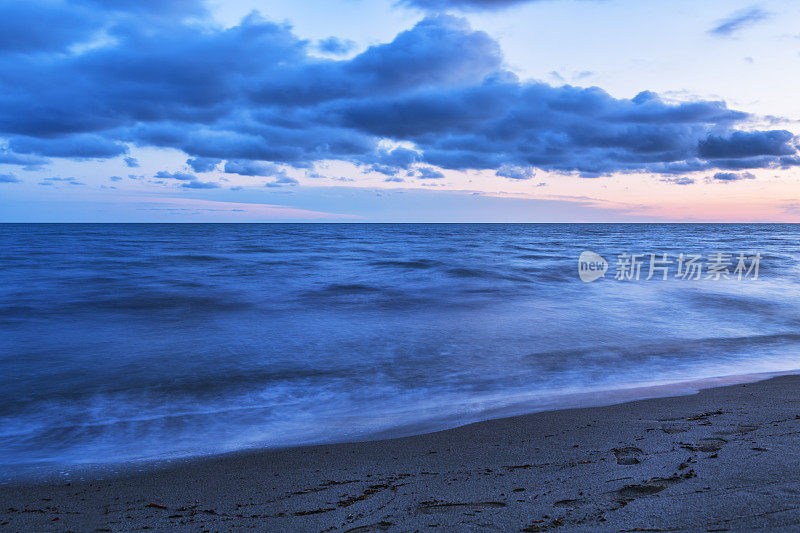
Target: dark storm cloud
{"x": 256, "y": 96}
{"x": 738, "y": 21}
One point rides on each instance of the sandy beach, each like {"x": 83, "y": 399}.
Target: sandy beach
{"x": 724, "y": 459}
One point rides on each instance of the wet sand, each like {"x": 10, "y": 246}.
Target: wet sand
{"x": 724, "y": 459}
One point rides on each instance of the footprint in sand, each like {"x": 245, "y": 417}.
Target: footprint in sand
{"x": 438, "y": 507}
{"x": 653, "y": 486}
{"x": 675, "y": 428}
{"x": 383, "y": 525}
{"x": 705, "y": 416}
{"x": 709, "y": 445}
{"x": 629, "y": 455}
{"x": 570, "y": 503}
{"x": 741, "y": 429}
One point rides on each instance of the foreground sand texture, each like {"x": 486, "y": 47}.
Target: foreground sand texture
{"x": 724, "y": 459}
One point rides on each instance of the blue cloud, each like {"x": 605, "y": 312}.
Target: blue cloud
{"x": 255, "y": 95}
{"x": 27, "y": 161}
{"x": 683, "y": 180}
{"x": 196, "y": 184}
{"x": 203, "y": 164}
{"x": 514, "y": 173}
{"x": 336, "y": 46}
{"x": 250, "y": 168}
{"x": 740, "y": 144}
{"x": 391, "y": 161}
{"x": 29, "y": 27}
{"x": 82, "y": 146}
{"x": 181, "y": 176}
{"x": 790, "y": 161}
{"x": 158, "y": 8}
{"x": 9, "y": 178}
{"x": 443, "y": 5}
{"x": 282, "y": 180}
{"x": 56, "y": 180}
{"x": 427, "y": 173}
{"x": 727, "y": 177}
{"x": 738, "y": 21}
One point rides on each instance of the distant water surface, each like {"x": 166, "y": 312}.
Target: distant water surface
{"x": 140, "y": 342}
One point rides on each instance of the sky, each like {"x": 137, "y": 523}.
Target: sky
{"x": 399, "y": 111}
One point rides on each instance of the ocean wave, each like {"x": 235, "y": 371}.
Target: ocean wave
{"x": 153, "y": 341}
{"x": 419, "y": 264}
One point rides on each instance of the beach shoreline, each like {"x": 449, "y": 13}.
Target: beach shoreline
{"x": 722, "y": 459}
{"x": 47, "y": 472}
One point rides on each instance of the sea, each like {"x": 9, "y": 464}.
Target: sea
{"x": 133, "y": 344}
